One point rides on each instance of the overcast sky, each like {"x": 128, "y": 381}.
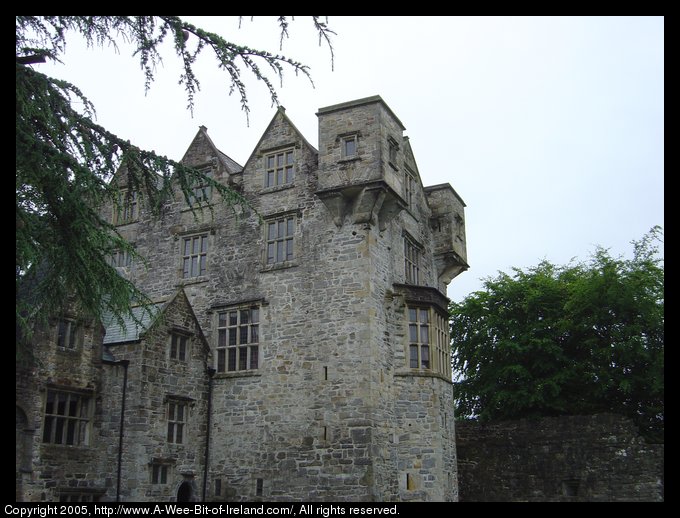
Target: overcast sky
{"x": 550, "y": 129}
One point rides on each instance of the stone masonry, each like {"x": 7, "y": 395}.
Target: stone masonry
{"x": 316, "y": 326}
{"x": 596, "y": 458}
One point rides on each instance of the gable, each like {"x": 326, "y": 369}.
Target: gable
{"x": 279, "y": 134}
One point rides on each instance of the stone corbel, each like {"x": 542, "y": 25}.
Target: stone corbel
{"x": 449, "y": 265}
{"x": 374, "y": 203}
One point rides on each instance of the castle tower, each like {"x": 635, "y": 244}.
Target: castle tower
{"x": 327, "y": 319}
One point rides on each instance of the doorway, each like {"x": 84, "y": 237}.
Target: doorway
{"x": 184, "y": 493}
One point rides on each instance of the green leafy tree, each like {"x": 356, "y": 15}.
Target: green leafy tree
{"x": 65, "y": 161}
{"x": 575, "y": 339}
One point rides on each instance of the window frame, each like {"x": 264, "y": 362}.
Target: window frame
{"x": 179, "y": 343}
{"x": 280, "y": 249}
{"x": 409, "y": 186}
{"x": 176, "y": 423}
{"x": 346, "y": 139}
{"x": 392, "y": 152}
{"x": 286, "y": 168}
{"x": 127, "y": 209}
{"x": 202, "y": 192}
{"x": 230, "y": 348}
{"x": 188, "y": 273}
{"x": 82, "y": 421}
{"x": 159, "y": 473}
{"x": 412, "y": 256}
{"x": 73, "y": 335}
{"x": 121, "y": 258}
{"x": 436, "y": 342}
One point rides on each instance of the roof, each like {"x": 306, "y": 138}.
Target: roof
{"x": 107, "y": 355}
{"x": 232, "y": 165}
{"x": 130, "y": 331}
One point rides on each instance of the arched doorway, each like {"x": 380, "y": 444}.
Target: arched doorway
{"x": 184, "y": 493}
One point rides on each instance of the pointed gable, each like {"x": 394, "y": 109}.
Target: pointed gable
{"x": 279, "y": 134}
{"x": 175, "y": 312}
{"x": 202, "y": 152}
{"x": 410, "y": 159}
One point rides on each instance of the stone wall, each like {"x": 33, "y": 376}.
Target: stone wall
{"x": 59, "y": 461}
{"x": 572, "y": 458}
{"x": 155, "y": 380}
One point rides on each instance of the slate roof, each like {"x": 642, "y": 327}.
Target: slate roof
{"x": 231, "y": 164}
{"x": 130, "y": 331}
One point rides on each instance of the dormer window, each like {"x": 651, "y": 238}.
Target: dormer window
{"x": 279, "y": 168}
{"x": 201, "y": 192}
{"x": 126, "y": 211}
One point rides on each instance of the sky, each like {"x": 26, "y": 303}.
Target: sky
{"x": 551, "y": 129}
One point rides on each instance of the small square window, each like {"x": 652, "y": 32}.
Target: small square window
{"x": 349, "y": 146}
{"x": 68, "y": 333}
{"x": 159, "y": 473}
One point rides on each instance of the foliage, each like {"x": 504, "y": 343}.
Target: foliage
{"x": 65, "y": 161}
{"x": 575, "y": 339}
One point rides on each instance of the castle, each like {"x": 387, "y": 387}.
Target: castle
{"x": 298, "y": 351}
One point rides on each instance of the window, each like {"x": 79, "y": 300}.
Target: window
{"x": 68, "y": 333}
{"x": 202, "y": 191}
{"x": 428, "y": 339}
{"x": 195, "y": 252}
{"x": 218, "y": 487}
{"x": 441, "y": 344}
{"x": 349, "y": 146}
{"x": 460, "y": 227}
{"x": 409, "y": 187}
{"x": 67, "y": 418}
{"x": 70, "y": 496}
{"x": 178, "y": 346}
{"x": 238, "y": 338}
{"x": 177, "y": 419}
{"x": 280, "y": 240}
{"x": 411, "y": 262}
{"x": 159, "y": 473}
{"x": 121, "y": 258}
{"x": 419, "y": 338}
{"x": 393, "y": 148}
{"x": 126, "y": 210}
{"x": 259, "y": 486}
{"x": 279, "y": 168}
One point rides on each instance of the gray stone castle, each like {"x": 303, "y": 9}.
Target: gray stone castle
{"x": 298, "y": 351}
